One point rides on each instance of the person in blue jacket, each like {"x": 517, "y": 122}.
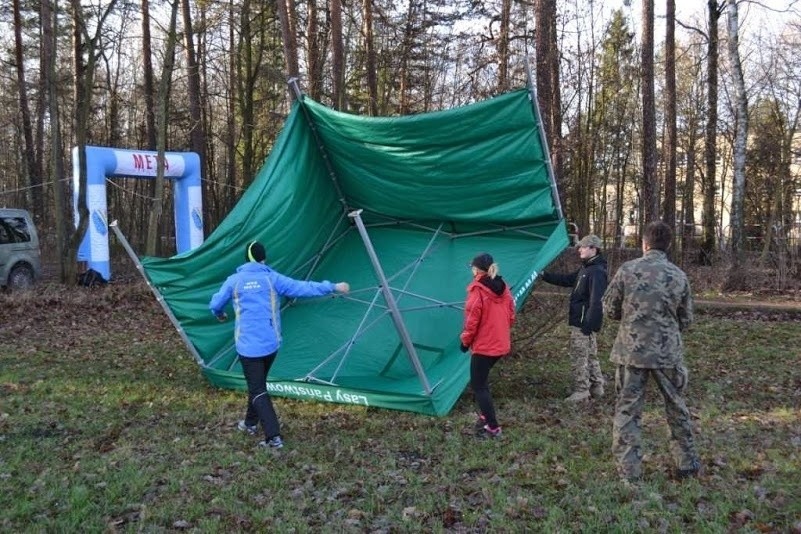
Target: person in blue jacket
{"x": 256, "y": 290}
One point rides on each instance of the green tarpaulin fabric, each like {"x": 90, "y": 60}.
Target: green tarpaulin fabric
{"x": 435, "y": 190}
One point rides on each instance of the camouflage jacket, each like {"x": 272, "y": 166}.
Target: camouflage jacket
{"x": 652, "y": 300}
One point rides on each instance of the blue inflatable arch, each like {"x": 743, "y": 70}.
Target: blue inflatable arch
{"x": 101, "y": 163}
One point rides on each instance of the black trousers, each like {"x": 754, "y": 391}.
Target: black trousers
{"x": 479, "y": 380}
{"x": 260, "y": 405}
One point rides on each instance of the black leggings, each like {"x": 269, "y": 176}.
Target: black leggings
{"x": 260, "y": 405}
{"x": 479, "y": 380}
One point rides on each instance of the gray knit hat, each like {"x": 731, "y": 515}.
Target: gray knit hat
{"x": 590, "y": 241}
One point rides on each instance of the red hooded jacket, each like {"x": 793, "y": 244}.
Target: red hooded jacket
{"x": 488, "y": 317}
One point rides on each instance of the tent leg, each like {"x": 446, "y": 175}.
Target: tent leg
{"x": 543, "y": 140}
{"x": 159, "y": 298}
{"x": 356, "y": 215}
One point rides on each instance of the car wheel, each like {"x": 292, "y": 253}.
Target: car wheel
{"x": 20, "y": 278}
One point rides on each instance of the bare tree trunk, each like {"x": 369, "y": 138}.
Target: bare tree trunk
{"x": 688, "y": 206}
{"x": 669, "y": 206}
{"x": 337, "y": 56}
{"x": 49, "y": 22}
{"x": 41, "y": 111}
{"x": 620, "y": 187}
{"x": 710, "y": 148}
{"x": 741, "y": 136}
{"x": 82, "y": 101}
{"x": 649, "y": 189}
{"x": 147, "y": 54}
{"x": 503, "y": 46}
{"x": 208, "y": 118}
{"x": 777, "y": 216}
{"x": 247, "y": 73}
{"x": 548, "y": 90}
{"x": 161, "y": 136}
{"x": 774, "y": 219}
{"x": 286, "y": 15}
{"x": 557, "y": 150}
{"x": 543, "y": 11}
{"x": 148, "y": 186}
{"x": 369, "y": 46}
{"x": 32, "y": 171}
{"x": 405, "y": 53}
{"x": 315, "y": 52}
{"x": 83, "y": 84}
{"x": 230, "y": 124}
{"x": 197, "y": 134}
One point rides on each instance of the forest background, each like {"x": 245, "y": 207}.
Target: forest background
{"x": 639, "y": 127}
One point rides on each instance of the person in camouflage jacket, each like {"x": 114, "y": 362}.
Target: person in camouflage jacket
{"x": 651, "y": 298}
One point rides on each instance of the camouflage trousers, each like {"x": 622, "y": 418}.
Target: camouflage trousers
{"x": 583, "y": 352}
{"x": 630, "y": 385}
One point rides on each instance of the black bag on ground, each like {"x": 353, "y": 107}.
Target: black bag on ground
{"x": 92, "y": 278}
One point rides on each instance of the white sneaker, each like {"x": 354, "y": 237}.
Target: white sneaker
{"x": 250, "y": 429}
{"x": 274, "y": 442}
{"x": 578, "y": 396}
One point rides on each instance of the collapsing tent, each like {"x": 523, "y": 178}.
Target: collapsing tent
{"x": 397, "y": 207}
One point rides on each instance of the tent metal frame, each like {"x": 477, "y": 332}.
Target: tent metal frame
{"x": 532, "y": 89}
{"x": 362, "y": 328}
{"x": 392, "y": 307}
{"x": 397, "y": 318}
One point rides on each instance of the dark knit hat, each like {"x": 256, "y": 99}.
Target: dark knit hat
{"x": 255, "y": 252}
{"x": 482, "y": 262}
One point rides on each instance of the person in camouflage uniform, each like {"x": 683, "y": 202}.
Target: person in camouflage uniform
{"x": 651, "y": 298}
{"x": 585, "y": 316}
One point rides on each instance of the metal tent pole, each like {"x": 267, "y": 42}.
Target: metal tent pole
{"x": 159, "y": 298}
{"x": 293, "y": 83}
{"x": 393, "y": 306}
{"x": 543, "y": 140}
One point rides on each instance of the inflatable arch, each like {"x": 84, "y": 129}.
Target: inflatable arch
{"x": 101, "y": 163}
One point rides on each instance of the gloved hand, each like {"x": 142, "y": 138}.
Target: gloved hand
{"x": 463, "y": 347}
{"x": 222, "y": 317}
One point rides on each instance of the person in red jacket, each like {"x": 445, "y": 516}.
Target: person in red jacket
{"x": 489, "y": 313}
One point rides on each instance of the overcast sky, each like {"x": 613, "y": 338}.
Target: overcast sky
{"x": 754, "y": 14}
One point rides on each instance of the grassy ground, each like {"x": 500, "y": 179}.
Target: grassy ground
{"x": 107, "y": 425}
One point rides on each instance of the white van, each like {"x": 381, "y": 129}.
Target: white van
{"x": 20, "y": 260}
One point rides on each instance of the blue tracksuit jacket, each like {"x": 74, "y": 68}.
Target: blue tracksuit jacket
{"x": 255, "y": 289}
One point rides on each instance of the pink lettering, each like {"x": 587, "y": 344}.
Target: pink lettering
{"x": 143, "y": 162}
{"x": 138, "y": 161}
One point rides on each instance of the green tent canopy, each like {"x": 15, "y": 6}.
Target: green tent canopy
{"x": 397, "y": 207}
